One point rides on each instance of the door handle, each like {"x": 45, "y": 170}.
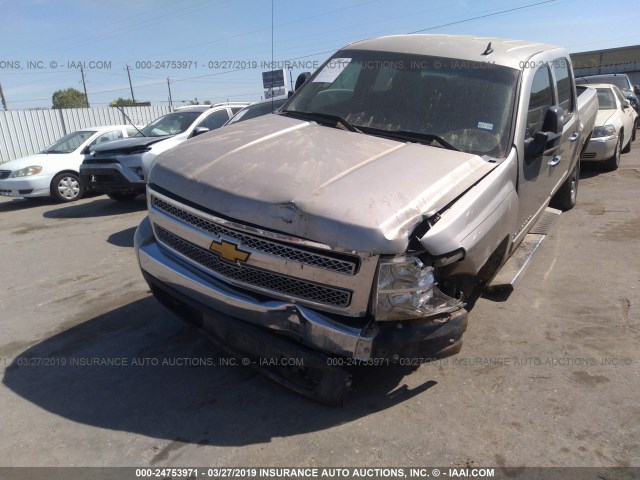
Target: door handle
{"x": 574, "y": 137}
{"x": 554, "y": 161}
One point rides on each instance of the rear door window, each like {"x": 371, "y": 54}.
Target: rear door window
{"x": 540, "y": 100}
{"x": 564, "y": 86}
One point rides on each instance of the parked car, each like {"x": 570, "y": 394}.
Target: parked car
{"x": 55, "y": 171}
{"x": 620, "y": 80}
{"x": 256, "y": 110}
{"x": 614, "y": 129}
{"x": 120, "y": 169}
{"x": 353, "y": 225}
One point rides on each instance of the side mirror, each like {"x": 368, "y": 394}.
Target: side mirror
{"x": 547, "y": 140}
{"x": 553, "y": 120}
{"x": 199, "y": 131}
{"x": 303, "y": 77}
{"x": 626, "y": 104}
{"x": 636, "y": 89}
{"x": 86, "y": 150}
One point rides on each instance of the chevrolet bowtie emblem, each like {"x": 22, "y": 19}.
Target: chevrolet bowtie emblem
{"x": 228, "y": 251}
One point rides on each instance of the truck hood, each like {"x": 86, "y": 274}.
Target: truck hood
{"x": 348, "y": 190}
{"x": 127, "y": 144}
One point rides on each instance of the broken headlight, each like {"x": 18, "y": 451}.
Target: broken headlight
{"x": 407, "y": 289}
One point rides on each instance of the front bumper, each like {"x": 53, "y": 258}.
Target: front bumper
{"x": 111, "y": 178}
{"x": 601, "y": 148}
{"x": 178, "y": 285}
{"x": 32, "y": 186}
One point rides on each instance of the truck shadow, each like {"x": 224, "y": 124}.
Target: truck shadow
{"x": 24, "y": 203}
{"x": 139, "y": 369}
{"x": 589, "y": 170}
{"x": 123, "y": 238}
{"x": 101, "y": 207}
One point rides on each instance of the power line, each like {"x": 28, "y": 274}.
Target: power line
{"x": 483, "y": 16}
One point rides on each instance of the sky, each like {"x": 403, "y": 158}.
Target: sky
{"x": 216, "y": 50}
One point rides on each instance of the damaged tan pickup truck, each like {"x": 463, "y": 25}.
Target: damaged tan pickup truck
{"x": 353, "y": 224}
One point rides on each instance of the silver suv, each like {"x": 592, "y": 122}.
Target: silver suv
{"x": 120, "y": 169}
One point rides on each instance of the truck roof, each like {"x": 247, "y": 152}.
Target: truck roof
{"x": 509, "y": 53}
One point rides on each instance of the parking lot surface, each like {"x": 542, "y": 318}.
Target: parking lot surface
{"x": 96, "y": 373}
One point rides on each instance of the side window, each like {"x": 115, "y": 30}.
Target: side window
{"x": 235, "y": 110}
{"x": 540, "y": 100}
{"x": 564, "y": 86}
{"x": 215, "y": 120}
{"x": 107, "y": 137}
{"x": 132, "y": 132}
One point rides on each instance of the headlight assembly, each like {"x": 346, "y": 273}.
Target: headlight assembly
{"x": 26, "y": 171}
{"x": 407, "y": 289}
{"x": 604, "y": 131}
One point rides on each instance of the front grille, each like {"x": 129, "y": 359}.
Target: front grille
{"x": 4, "y": 174}
{"x": 588, "y": 156}
{"x": 97, "y": 160}
{"x": 346, "y": 266}
{"x": 256, "y": 277}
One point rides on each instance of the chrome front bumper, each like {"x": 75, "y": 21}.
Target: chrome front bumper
{"x": 307, "y": 326}
{"x": 601, "y": 148}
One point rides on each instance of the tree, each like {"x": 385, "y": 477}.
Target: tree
{"x": 122, "y": 102}
{"x": 69, "y": 98}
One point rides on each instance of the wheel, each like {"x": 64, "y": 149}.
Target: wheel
{"x": 66, "y": 187}
{"x": 565, "y": 198}
{"x": 627, "y": 148}
{"x": 122, "y": 197}
{"x": 614, "y": 162}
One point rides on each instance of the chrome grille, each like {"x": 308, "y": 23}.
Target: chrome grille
{"x": 339, "y": 265}
{"x": 4, "y": 174}
{"x": 251, "y": 276}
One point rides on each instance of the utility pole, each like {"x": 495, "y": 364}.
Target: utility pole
{"x": 133, "y": 99}
{"x": 84, "y": 85}
{"x": 170, "y": 100}
{"x": 4, "y": 102}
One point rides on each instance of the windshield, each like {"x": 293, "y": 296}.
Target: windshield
{"x": 170, "y": 124}
{"x": 71, "y": 142}
{"x": 467, "y": 104}
{"x": 606, "y": 100}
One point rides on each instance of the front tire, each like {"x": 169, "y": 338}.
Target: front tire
{"x": 614, "y": 162}
{"x": 627, "y": 148}
{"x": 566, "y": 197}
{"x": 66, "y": 187}
{"x": 122, "y": 197}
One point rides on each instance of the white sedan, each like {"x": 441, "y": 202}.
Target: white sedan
{"x": 615, "y": 127}
{"x": 54, "y": 171}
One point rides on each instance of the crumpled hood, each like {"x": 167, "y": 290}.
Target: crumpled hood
{"x": 344, "y": 189}
{"x": 127, "y": 144}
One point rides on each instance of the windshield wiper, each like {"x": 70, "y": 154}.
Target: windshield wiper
{"x": 130, "y": 122}
{"x": 426, "y": 138}
{"x": 323, "y": 116}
